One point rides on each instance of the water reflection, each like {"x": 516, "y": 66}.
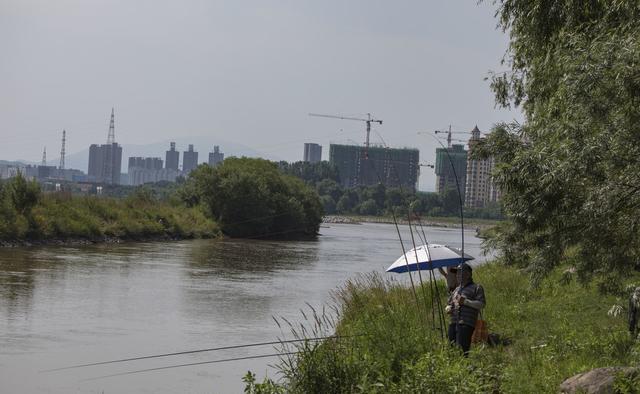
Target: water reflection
{"x": 231, "y": 258}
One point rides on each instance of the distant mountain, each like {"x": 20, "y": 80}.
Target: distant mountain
{"x": 15, "y": 163}
{"x": 201, "y": 144}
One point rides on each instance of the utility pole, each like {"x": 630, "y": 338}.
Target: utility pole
{"x": 112, "y": 135}
{"x": 64, "y": 139}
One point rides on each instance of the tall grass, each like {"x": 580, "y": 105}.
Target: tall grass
{"x": 387, "y": 343}
{"x": 63, "y": 216}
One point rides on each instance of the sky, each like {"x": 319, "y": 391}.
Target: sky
{"x": 247, "y": 72}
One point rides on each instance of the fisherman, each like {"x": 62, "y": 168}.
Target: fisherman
{"x": 464, "y": 304}
{"x": 451, "y": 275}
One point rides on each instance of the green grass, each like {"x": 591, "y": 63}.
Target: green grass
{"x": 63, "y": 216}
{"x": 556, "y": 330}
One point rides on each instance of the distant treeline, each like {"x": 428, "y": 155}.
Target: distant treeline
{"x": 379, "y": 200}
{"x": 240, "y": 198}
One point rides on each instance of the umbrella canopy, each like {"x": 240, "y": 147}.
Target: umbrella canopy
{"x": 433, "y": 256}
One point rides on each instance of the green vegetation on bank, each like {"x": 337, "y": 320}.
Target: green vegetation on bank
{"x": 569, "y": 175}
{"x": 380, "y": 200}
{"x": 555, "y": 330}
{"x": 28, "y": 214}
{"x": 252, "y": 198}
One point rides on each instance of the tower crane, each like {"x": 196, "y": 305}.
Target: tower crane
{"x": 449, "y": 135}
{"x": 368, "y": 121}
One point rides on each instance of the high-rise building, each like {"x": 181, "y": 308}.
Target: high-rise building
{"x": 105, "y": 161}
{"x": 480, "y": 188}
{"x": 216, "y": 157}
{"x": 148, "y": 169}
{"x": 189, "y": 160}
{"x": 451, "y": 163}
{"x": 312, "y": 152}
{"x": 358, "y": 166}
{"x": 172, "y": 158}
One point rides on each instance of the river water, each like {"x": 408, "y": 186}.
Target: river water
{"x": 62, "y": 306}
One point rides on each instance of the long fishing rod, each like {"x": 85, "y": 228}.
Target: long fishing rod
{"x": 395, "y": 170}
{"x": 395, "y": 222}
{"x": 191, "y": 364}
{"x": 455, "y": 175}
{"x": 198, "y": 351}
{"x": 432, "y": 276}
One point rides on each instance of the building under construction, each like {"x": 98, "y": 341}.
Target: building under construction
{"x": 451, "y": 163}
{"x": 359, "y": 166}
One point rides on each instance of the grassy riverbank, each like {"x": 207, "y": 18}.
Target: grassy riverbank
{"x": 556, "y": 330}
{"x": 62, "y": 217}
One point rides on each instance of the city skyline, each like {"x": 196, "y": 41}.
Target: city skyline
{"x": 245, "y": 75}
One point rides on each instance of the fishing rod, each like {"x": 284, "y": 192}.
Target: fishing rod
{"x": 455, "y": 175}
{"x": 395, "y": 171}
{"x": 224, "y": 360}
{"x": 199, "y": 351}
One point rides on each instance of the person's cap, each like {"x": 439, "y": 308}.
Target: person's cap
{"x": 465, "y": 267}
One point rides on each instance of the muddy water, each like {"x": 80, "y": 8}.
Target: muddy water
{"x": 61, "y": 306}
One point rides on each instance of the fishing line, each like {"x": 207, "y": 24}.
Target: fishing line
{"x": 198, "y": 351}
{"x": 224, "y": 360}
{"x": 395, "y": 221}
{"x": 431, "y": 274}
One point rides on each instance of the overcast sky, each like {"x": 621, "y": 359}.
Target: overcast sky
{"x": 244, "y": 71}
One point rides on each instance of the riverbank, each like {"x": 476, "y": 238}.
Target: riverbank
{"x": 440, "y": 221}
{"x": 59, "y": 219}
{"x": 547, "y": 334}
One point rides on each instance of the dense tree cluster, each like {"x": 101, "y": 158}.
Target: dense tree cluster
{"x": 570, "y": 175}
{"x": 253, "y": 198}
{"x": 379, "y": 200}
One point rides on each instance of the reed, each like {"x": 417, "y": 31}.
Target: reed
{"x": 389, "y": 345}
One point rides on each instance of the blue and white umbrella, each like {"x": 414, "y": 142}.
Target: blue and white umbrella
{"x": 433, "y": 256}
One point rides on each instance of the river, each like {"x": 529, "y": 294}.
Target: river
{"x": 62, "y": 306}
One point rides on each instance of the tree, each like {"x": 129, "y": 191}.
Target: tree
{"x": 252, "y": 198}
{"x": 570, "y": 175}
{"x": 368, "y": 207}
{"x": 22, "y": 194}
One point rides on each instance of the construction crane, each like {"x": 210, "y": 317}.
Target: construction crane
{"x": 368, "y": 121}
{"x": 449, "y": 134}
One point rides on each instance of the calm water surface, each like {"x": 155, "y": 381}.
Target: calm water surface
{"x": 61, "y": 306}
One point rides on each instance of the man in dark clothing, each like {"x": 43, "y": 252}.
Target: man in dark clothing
{"x": 464, "y": 304}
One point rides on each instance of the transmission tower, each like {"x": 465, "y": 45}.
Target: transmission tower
{"x": 64, "y": 139}
{"x": 44, "y": 157}
{"x": 112, "y": 134}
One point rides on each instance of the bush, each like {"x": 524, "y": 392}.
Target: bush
{"x": 252, "y": 198}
